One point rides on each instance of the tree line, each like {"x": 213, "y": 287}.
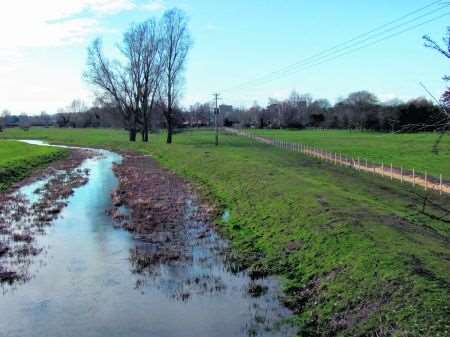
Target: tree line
{"x": 361, "y": 110}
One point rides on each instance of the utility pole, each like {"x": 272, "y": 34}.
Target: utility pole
{"x": 216, "y": 116}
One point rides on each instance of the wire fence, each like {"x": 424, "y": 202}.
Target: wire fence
{"x": 421, "y": 179}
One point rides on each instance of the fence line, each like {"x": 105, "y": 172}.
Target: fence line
{"x": 426, "y": 181}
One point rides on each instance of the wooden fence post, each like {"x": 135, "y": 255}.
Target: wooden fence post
{"x": 392, "y": 173}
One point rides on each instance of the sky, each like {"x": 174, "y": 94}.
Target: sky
{"x": 238, "y": 48}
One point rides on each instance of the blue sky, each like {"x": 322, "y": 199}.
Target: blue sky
{"x": 43, "y": 49}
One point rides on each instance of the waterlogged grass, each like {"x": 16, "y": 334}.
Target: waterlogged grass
{"x": 424, "y": 152}
{"x": 17, "y": 160}
{"x": 358, "y": 255}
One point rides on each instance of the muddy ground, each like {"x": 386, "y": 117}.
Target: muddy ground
{"x": 162, "y": 209}
{"x": 21, "y": 220}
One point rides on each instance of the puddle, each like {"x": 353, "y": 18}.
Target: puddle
{"x": 93, "y": 279}
{"x": 226, "y": 215}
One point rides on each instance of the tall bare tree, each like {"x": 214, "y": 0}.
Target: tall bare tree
{"x": 176, "y": 44}
{"x": 131, "y": 83}
{"x": 142, "y": 47}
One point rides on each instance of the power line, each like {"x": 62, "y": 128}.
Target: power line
{"x": 328, "y": 54}
{"x": 348, "y": 44}
{"x": 344, "y": 53}
{"x": 341, "y": 45}
{"x": 341, "y": 51}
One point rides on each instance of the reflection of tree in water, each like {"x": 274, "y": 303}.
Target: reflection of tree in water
{"x": 21, "y": 221}
{"x": 18, "y": 226}
{"x": 180, "y": 282}
{"x": 192, "y": 264}
{"x": 181, "y": 268}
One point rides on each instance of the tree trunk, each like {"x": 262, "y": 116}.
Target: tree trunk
{"x": 169, "y": 127}
{"x": 132, "y": 134}
{"x": 145, "y": 133}
{"x": 145, "y": 129}
{"x": 145, "y": 136}
{"x": 133, "y": 127}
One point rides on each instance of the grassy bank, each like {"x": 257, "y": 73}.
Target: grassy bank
{"x": 425, "y": 152}
{"x": 358, "y": 255}
{"x": 17, "y": 160}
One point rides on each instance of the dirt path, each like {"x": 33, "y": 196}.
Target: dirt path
{"x": 22, "y": 220}
{"x": 426, "y": 181}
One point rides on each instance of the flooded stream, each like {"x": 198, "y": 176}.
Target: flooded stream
{"x": 87, "y": 282}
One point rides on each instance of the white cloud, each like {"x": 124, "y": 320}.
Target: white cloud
{"x": 53, "y": 22}
{"x": 110, "y": 6}
{"x": 154, "y": 5}
{"x": 27, "y": 84}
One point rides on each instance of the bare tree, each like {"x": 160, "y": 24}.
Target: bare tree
{"x": 430, "y": 43}
{"x": 110, "y": 79}
{"x": 142, "y": 47}
{"x": 176, "y": 44}
{"x": 133, "y": 83}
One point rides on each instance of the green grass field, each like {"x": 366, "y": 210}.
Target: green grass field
{"x": 358, "y": 255}
{"x": 17, "y": 160}
{"x": 412, "y": 151}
